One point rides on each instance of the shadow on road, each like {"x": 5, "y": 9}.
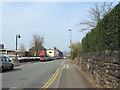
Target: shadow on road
{"x": 14, "y": 70}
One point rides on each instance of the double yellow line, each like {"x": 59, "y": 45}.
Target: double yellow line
{"x": 52, "y": 79}
{"x": 62, "y": 63}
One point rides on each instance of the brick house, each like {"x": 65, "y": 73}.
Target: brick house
{"x": 41, "y": 51}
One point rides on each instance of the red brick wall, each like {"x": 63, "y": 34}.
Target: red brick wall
{"x": 42, "y": 53}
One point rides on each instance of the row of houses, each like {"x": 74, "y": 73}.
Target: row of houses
{"x": 41, "y": 51}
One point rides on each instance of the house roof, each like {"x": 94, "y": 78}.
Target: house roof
{"x": 40, "y": 48}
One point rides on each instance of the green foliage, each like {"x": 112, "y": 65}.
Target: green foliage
{"x": 105, "y": 35}
{"x": 73, "y": 55}
{"x": 76, "y": 49}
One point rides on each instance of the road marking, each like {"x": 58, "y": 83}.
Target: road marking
{"x": 67, "y": 66}
{"x": 59, "y": 78}
{"x": 52, "y": 79}
{"x": 64, "y": 66}
{"x": 62, "y": 63}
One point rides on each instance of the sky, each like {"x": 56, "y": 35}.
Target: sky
{"x": 51, "y": 20}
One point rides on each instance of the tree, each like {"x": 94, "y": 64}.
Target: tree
{"x": 76, "y": 49}
{"x": 96, "y": 13}
{"x": 22, "y": 47}
{"x": 36, "y": 43}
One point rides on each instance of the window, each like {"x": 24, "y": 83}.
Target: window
{"x": 50, "y": 52}
{"x": 7, "y": 59}
{"x": 3, "y": 59}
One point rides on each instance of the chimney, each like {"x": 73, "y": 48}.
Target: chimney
{"x": 55, "y": 48}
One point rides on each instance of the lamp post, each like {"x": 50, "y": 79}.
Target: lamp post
{"x": 70, "y": 40}
{"x": 17, "y": 36}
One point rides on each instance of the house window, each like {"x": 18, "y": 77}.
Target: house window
{"x": 50, "y": 52}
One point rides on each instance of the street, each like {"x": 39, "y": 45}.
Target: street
{"x": 52, "y": 74}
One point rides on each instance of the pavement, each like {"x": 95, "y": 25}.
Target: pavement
{"x": 72, "y": 78}
{"x": 52, "y": 74}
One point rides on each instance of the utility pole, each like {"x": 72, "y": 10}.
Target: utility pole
{"x": 17, "y": 36}
{"x": 70, "y": 41}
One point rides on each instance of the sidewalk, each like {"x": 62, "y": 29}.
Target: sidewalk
{"x": 72, "y": 78}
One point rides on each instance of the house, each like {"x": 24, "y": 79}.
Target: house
{"x": 54, "y": 52}
{"x": 50, "y": 52}
{"x": 41, "y": 51}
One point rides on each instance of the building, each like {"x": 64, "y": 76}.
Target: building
{"x": 41, "y": 51}
{"x": 50, "y": 52}
{"x": 54, "y": 52}
{"x": 1, "y": 46}
{"x": 7, "y": 52}
{"x": 20, "y": 53}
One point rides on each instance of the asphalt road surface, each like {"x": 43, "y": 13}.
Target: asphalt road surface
{"x": 51, "y": 74}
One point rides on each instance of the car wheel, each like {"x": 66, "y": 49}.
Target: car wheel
{"x": 12, "y": 67}
{"x": 1, "y": 69}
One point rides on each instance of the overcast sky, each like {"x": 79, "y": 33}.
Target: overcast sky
{"x": 48, "y": 19}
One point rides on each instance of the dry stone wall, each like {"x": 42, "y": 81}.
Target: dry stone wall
{"x": 101, "y": 68}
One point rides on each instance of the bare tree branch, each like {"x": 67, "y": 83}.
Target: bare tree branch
{"x": 37, "y": 43}
{"x": 22, "y": 47}
{"x": 96, "y": 13}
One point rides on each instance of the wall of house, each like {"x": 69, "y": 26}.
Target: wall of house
{"x": 50, "y": 53}
{"x": 42, "y": 52}
{"x": 101, "y": 68}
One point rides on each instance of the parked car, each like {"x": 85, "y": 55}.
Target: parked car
{"x": 47, "y": 58}
{"x": 42, "y": 59}
{"x": 51, "y": 58}
{"x": 5, "y": 63}
{"x": 12, "y": 58}
{"x": 55, "y": 57}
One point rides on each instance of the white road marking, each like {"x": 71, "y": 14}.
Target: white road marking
{"x": 67, "y": 66}
{"x": 64, "y": 66}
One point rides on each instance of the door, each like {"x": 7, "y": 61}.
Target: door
{"x": 8, "y": 61}
{"x": 4, "y": 62}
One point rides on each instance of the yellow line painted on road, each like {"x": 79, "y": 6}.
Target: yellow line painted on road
{"x": 51, "y": 79}
{"x": 62, "y": 63}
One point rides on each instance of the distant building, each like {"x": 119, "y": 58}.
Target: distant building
{"x": 41, "y": 51}
{"x": 1, "y": 46}
{"x": 50, "y": 52}
{"x": 20, "y": 53}
{"x": 54, "y": 52}
{"x": 7, "y": 52}
{"x": 27, "y": 54}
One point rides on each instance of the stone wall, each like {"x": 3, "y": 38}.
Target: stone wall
{"x": 101, "y": 68}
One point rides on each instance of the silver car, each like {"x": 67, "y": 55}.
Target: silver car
{"x": 5, "y": 63}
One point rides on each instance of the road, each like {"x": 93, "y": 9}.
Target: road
{"x": 52, "y": 74}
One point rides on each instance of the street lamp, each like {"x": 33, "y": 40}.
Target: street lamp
{"x": 70, "y": 40}
{"x": 17, "y": 36}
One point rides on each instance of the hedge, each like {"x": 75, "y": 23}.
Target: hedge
{"x": 105, "y": 36}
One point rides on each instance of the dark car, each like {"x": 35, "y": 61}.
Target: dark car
{"x": 51, "y": 58}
